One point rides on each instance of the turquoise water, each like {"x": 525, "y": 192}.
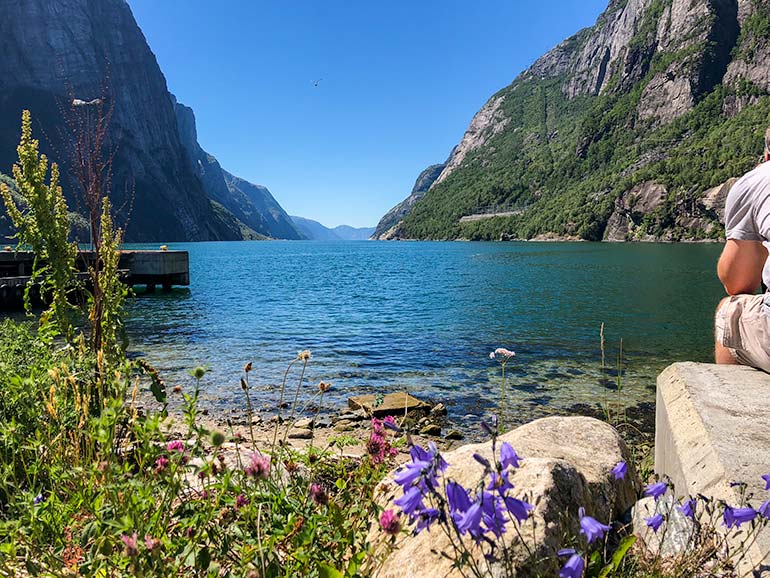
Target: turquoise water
{"x": 379, "y": 317}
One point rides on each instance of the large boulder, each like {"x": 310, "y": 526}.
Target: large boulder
{"x": 567, "y": 463}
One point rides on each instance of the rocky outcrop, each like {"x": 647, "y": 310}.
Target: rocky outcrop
{"x": 55, "y": 51}
{"x": 251, "y": 204}
{"x": 752, "y": 62}
{"x": 636, "y": 214}
{"x": 605, "y": 49}
{"x": 567, "y": 464}
{"x": 486, "y": 123}
{"x": 392, "y": 218}
{"x": 714, "y": 199}
{"x": 630, "y": 209}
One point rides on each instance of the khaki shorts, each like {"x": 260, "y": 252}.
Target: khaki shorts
{"x": 743, "y": 327}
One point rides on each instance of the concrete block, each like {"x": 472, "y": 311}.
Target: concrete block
{"x": 712, "y": 427}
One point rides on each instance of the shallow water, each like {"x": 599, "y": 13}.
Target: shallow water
{"x": 379, "y": 317}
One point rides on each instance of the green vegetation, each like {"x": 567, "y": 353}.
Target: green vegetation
{"x": 43, "y": 225}
{"x": 561, "y": 163}
{"x": 89, "y": 486}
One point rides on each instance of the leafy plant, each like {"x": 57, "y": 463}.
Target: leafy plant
{"x": 41, "y": 218}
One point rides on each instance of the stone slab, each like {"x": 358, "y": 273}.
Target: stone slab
{"x": 390, "y": 404}
{"x": 712, "y": 427}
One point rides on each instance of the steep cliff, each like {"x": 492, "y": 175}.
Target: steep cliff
{"x": 252, "y": 205}
{"x": 53, "y": 51}
{"x": 627, "y": 124}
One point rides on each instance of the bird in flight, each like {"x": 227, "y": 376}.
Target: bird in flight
{"x": 317, "y": 82}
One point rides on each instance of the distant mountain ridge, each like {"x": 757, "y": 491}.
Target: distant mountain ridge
{"x": 315, "y": 231}
{"x": 625, "y": 131}
{"x": 175, "y": 190}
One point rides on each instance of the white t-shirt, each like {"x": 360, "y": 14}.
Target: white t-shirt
{"x": 747, "y": 213}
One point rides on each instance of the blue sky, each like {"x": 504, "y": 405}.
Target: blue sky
{"x": 401, "y": 80}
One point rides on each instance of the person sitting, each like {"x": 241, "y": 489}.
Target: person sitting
{"x": 743, "y": 318}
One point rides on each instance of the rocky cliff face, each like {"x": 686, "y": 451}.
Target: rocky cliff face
{"x": 252, "y": 205}
{"x": 54, "y": 50}
{"x": 387, "y": 227}
{"x": 670, "y": 94}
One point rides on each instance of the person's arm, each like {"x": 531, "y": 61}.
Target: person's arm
{"x": 740, "y": 266}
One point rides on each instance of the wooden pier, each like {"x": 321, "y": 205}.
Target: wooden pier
{"x": 149, "y": 268}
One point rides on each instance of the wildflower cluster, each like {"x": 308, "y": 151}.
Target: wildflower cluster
{"x": 378, "y": 447}
{"x": 483, "y": 513}
{"x": 732, "y": 517}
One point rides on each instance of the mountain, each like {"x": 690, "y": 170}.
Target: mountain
{"x": 89, "y": 49}
{"x": 387, "y": 227}
{"x": 348, "y": 233}
{"x": 315, "y": 231}
{"x": 251, "y": 204}
{"x": 629, "y": 130}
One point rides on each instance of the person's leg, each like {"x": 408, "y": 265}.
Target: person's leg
{"x": 722, "y": 355}
{"x": 743, "y": 332}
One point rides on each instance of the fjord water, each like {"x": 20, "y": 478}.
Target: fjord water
{"x": 383, "y": 316}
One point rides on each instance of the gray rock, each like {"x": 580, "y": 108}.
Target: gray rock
{"x": 388, "y": 404}
{"x": 567, "y": 463}
{"x": 630, "y": 209}
{"x": 351, "y": 416}
{"x": 438, "y": 409}
{"x": 431, "y": 429}
{"x": 674, "y": 537}
{"x": 343, "y": 425}
{"x": 454, "y": 435}
{"x": 305, "y": 423}
{"x": 301, "y": 434}
{"x": 150, "y": 164}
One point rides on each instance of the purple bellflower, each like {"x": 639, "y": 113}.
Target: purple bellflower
{"x": 656, "y": 490}
{"x": 654, "y": 522}
{"x": 410, "y": 502}
{"x": 493, "y": 513}
{"x": 518, "y": 508}
{"x": 574, "y": 566}
{"x": 470, "y": 521}
{"x": 738, "y": 516}
{"x": 499, "y": 482}
{"x": 508, "y": 456}
{"x": 591, "y": 528}
{"x": 688, "y": 508}
{"x": 620, "y": 471}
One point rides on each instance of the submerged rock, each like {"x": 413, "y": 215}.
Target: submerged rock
{"x": 390, "y": 404}
{"x": 567, "y": 464}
